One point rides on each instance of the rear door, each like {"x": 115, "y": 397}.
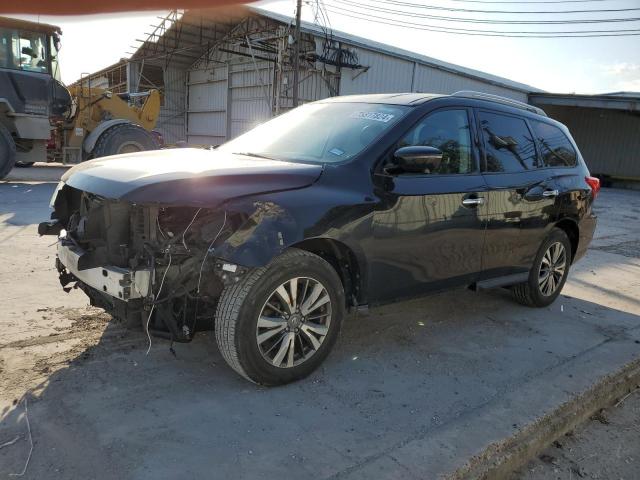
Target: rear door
{"x": 429, "y": 227}
{"x": 521, "y": 194}
{"x": 560, "y": 159}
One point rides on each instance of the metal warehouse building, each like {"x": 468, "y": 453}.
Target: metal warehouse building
{"x": 223, "y": 71}
{"x": 605, "y": 127}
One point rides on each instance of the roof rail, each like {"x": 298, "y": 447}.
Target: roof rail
{"x": 499, "y": 99}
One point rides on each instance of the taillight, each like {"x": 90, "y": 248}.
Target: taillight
{"x": 594, "y": 183}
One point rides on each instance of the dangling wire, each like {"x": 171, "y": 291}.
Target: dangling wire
{"x": 153, "y": 306}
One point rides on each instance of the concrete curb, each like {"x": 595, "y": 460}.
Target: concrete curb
{"x": 500, "y": 460}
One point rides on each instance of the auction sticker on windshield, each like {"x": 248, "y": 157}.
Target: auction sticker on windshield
{"x": 376, "y": 116}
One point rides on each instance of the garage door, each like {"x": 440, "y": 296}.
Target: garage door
{"x": 207, "y": 106}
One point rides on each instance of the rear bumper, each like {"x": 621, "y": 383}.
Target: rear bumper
{"x": 587, "y": 228}
{"x": 117, "y": 282}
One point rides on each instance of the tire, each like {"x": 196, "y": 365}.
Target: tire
{"x": 238, "y": 330}
{"x": 532, "y": 292}
{"x": 24, "y": 164}
{"x": 7, "y": 152}
{"x": 123, "y": 138}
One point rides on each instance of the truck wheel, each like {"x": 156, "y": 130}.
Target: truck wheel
{"x": 123, "y": 138}
{"x": 279, "y": 322}
{"x": 548, "y": 273}
{"x": 7, "y": 152}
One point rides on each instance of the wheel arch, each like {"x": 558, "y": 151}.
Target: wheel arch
{"x": 570, "y": 227}
{"x": 345, "y": 262}
{"x": 90, "y": 141}
{"x": 6, "y": 110}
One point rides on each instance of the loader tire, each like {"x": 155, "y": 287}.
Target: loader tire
{"x": 124, "y": 138}
{"x": 7, "y": 152}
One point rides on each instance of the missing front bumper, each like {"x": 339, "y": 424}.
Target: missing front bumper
{"x": 117, "y": 282}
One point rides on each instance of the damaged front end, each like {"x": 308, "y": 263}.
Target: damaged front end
{"x": 145, "y": 264}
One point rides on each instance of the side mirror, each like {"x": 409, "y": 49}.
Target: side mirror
{"x": 418, "y": 159}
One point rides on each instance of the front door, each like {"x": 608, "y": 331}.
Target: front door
{"x": 428, "y": 231}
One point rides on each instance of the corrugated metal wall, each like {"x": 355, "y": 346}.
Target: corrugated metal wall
{"x": 609, "y": 140}
{"x": 385, "y": 75}
{"x": 207, "y": 105}
{"x": 172, "y": 114}
{"x": 388, "y": 74}
{"x": 232, "y": 94}
{"x": 432, "y": 80}
{"x": 250, "y": 95}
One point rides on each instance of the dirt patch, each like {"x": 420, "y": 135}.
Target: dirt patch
{"x": 25, "y": 363}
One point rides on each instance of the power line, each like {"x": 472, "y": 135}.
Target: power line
{"x": 485, "y": 21}
{"x": 481, "y": 33}
{"x": 455, "y": 29}
{"x": 532, "y": 1}
{"x": 516, "y": 12}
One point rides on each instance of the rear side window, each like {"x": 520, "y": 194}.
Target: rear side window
{"x": 509, "y": 145}
{"x": 556, "y": 149}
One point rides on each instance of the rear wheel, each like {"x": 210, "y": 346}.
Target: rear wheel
{"x": 7, "y": 152}
{"x": 549, "y": 272}
{"x": 123, "y": 138}
{"x": 279, "y": 323}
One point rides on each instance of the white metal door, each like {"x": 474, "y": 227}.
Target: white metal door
{"x": 207, "y": 106}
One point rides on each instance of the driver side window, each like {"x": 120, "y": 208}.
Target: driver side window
{"x": 449, "y": 132}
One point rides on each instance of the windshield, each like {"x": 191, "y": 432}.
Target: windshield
{"x": 21, "y": 50}
{"x": 318, "y": 132}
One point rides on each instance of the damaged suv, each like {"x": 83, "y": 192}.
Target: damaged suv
{"x": 339, "y": 204}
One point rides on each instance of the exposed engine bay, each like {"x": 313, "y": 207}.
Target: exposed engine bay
{"x": 144, "y": 264}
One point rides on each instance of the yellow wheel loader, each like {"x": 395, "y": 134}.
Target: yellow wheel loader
{"x": 41, "y": 120}
{"x": 102, "y": 123}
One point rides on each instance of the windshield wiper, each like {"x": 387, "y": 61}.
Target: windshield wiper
{"x": 255, "y": 155}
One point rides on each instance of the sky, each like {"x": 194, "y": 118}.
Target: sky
{"x": 562, "y": 65}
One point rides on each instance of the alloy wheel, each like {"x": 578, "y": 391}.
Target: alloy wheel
{"x": 552, "y": 268}
{"x": 294, "y": 322}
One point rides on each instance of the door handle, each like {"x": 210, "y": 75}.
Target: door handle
{"x": 550, "y": 193}
{"x": 473, "y": 202}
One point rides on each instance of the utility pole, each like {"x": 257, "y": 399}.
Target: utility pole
{"x": 296, "y": 54}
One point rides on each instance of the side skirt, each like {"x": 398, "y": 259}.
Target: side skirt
{"x": 503, "y": 281}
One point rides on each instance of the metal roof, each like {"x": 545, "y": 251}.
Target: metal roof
{"x": 617, "y": 101}
{"x": 218, "y": 23}
{"x": 182, "y": 39}
{"x": 400, "y": 53}
{"x": 26, "y": 25}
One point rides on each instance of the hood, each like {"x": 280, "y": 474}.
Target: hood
{"x": 187, "y": 176}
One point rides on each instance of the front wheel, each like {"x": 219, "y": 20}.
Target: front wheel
{"x": 279, "y": 323}
{"x": 7, "y": 152}
{"x": 548, "y": 273}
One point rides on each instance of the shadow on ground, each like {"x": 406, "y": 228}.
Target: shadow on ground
{"x": 400, "y": 375}
{"x": 21, "y": 203}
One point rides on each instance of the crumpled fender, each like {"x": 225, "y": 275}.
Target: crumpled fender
{"x": 276, "y": 222}
{"x": 262, "y": 236}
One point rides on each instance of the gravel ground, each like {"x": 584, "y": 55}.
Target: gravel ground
{"x": 607, "y": 448}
